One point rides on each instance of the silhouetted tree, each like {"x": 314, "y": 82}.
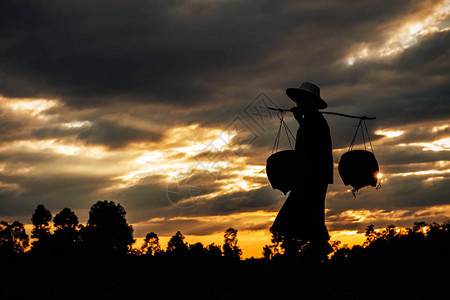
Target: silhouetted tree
{"x": 392, "y": 244}
{"x": 370, "y": 234}
{"x": 213, "y": 252}
{"x": 274, "y": 248}
{"x": 66, "y": 220}
{"x": 176, "y": 245}
{"x": 289, "y": 247}
{"x": 439, "y": 237}
{"x": 267, "y": 252}
{"x": 107, "y": 229}
{"x": 230, "y": 248}
{"x": 151, "y": 244}
{"x": 66, "y": 234}
{"x": 13, "y": 238}
{"x": 41, "y": 229}
{"x": 419, "y": 227}
{"x": 197, "y": 251}
{"x": 40, "y": 220}
{"x": 341, "y": 253}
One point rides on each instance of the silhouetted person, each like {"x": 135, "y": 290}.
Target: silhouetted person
{"x": 302, "y": 216}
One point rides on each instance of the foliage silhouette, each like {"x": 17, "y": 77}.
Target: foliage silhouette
{"x": 13, "y": 238}
{"x": 66, "y": 236}
{"x": 107, "y": 230}
{"x": 231, "y": 250}
{"x": 290, "y": 247}
{"x": 41, "y": 230}
{"x": 66, "y": 220}
{"x": 267, "y": 252}
{"x": 40, "y": 220}
{"x": 197, "y": 251}
{"x": 177, "y": 247}
{"x": 391, "y": 250}
{"x": 213, "y": 252}
{"x": 151, "y": 245}
{"x": 421, "y": 242}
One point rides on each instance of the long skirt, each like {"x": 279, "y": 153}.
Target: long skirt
{"x": 303, "y": 214}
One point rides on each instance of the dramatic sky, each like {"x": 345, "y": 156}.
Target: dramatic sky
{"x": 158, "y": 106}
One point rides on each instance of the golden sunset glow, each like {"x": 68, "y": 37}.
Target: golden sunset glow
{"x": 138, "y": 137}
{"x": 178, "y": 157}
{"x": 163, "y": 108}
{"x": 31, "y": 106}
{"x": 390, "y": 134}
{"x": 439, "y": 145}
{"x": 407, "y": 34}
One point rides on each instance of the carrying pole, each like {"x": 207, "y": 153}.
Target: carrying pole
{"x": 328, "y": 113}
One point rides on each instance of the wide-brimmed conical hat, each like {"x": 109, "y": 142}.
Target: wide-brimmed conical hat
{"x": 307, "y": 91}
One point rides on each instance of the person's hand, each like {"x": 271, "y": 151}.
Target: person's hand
{"x": 297, "y": 114}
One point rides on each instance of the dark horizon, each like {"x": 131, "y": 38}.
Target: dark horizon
{"x": 91, "y": 259}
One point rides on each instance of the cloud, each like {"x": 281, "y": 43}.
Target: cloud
{"x": 180, "y": 52}
{"x": 9, "y": 128}
{"x": 117, "y": 100}
{"x": 397, "y": 193}
{"x": 90, "y": 55}
{"x": 154, "y": 197}
{"x": 55, "y": 192}
{"x": 260, "y": 199}
{"x": 206, "y": 225}
{"x": 115, "y": 136}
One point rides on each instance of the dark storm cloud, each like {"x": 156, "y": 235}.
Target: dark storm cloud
{"x": 11, "y": 126}
{"x": 410, "y": 88}
{"x": 86, "y": 53}
{"x": 153, "y": 197}
{"x": 401, "y": 201}
{"x": 174, "y": 51}
{"x": 55, "y": 192}
{"x": 149, "y": 193}
{"x": 420, "y": 133}
{"x": 429, "y": 104}
{"x": 395, "y": 155}
{"x": 100, "y": 132}
{"x": 54, "y": 131}
{"x": 398, "y": 193}
{"x": 9, "y": 129}
{"x": 260, "y": 199}
{"x": 115, "y": 136}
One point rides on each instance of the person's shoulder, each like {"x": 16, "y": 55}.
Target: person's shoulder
{"x": 319, "y": 121}
{"x": 316, "y": 117}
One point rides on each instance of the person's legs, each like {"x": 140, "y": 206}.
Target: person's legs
{"x": 319, "y": 240}
{"x": 302, "y": 218}
{"x": 316, "y": 212}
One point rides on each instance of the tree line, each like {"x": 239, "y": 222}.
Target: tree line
{"x": 106, "y": 233}
{"x": 420, "y": 242}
